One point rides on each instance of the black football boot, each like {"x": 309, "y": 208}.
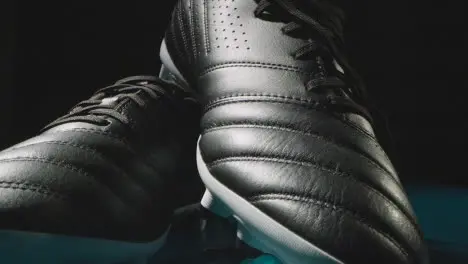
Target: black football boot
{"x": 287, "y": 144}
{"x": 100, "y": 184}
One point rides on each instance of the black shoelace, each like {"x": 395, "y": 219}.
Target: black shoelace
{"x": 104, "y": 103}
{"x": 328, "y": 46}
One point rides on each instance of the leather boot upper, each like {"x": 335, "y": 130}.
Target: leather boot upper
{"x": 114, "y": 168}
{"x": 273, "y": 131}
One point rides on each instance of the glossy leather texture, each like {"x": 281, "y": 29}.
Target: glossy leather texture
{"x": 110, "y": 180}
{"x": 319, "y": 172}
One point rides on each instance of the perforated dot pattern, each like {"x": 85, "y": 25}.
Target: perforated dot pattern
{"x": 229, "y": 32}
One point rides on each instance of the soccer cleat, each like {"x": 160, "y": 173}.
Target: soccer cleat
{"x": 287, "y": 145}
{"x": 100, "y": 184}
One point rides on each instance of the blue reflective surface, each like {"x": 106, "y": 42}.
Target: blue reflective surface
{"x": 443, "y": 213}
{"x": 198, "y": 237}
{"x": 265, "y": 259}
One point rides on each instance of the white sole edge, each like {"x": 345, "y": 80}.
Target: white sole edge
{"x": 256, "y": 228}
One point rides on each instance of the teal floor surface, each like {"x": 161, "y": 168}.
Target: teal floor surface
{"x": 198, "y": 237}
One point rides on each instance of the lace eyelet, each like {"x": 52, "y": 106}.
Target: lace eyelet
{"x": 283, "y": 31}
{"x": 105, "y": 122}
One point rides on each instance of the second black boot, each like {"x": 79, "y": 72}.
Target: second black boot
{"x": 100, "y": 184}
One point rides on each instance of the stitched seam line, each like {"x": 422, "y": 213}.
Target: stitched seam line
{"x": 57, "y": 163}
{"x": 253, "y": 65}
{"x": 312, "y": 105}
{"x": 205, "y": 23}
{"x": 65, "y": 143}
{"x": 308, "y": 103}
{"x": 334, "y": 207}
{"x": 58, "y": 142}
{"x": 319, "y": 166}
{"x": 296, "y": 131}
{"x": 192, "y": 28}
{"x": 17, "y": 185}
{"x": 92, "y": 150}
{"x": 272, "y": 124}
{"x": 92, "y": 131}
{"x": 65, "y": 165}
{"x": 265, "y": 95}
{"x": 181, "y": 27}
{"x": 172, "y": 34}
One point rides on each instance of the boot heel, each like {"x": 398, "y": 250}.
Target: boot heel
{"x": 169, "y": 71}
{"x": 215, "y": 205}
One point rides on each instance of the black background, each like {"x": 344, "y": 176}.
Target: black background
{"x": 410, "y": 54}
